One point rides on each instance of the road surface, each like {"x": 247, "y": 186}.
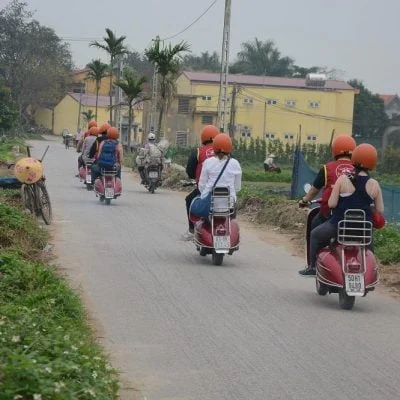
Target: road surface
{"x": 180, "y": 328}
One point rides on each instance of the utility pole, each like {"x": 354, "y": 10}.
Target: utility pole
{"x": 265, "y": 118}
{"x": 223, "y": 88}
{"x": 80, "y": 106}
{"x": 117, "y": 109}
{"x": 154, "y": 95}
{"x": 232, "y": 122}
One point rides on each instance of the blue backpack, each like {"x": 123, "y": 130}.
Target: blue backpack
{"x": 108, "y": 158}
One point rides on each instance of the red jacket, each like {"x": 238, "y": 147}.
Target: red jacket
{"x": 333, "y": 170}
{"x": 203, "y": 152}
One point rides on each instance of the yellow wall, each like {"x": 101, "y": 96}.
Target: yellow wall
{"x": 335, "y": 110}
{"x": 43, "y": 116}
{"x": 91, "y": 85}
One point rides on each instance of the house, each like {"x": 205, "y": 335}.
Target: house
{"x": 262, "y": 106}
{"x": 67, "y": 114}
{"x": 392, "y": 105}
{"x": 81, "y": 83}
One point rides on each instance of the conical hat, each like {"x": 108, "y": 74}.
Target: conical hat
{"x": 28, "y": 170}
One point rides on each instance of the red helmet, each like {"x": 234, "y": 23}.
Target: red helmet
{"x": 343, "y": 145}
{"x": 112, "y": 133}
{"x": 222, "y": 143}
{"x": 103, "y": 128}
{"x": 94, "y": 131}
{"x": 365, "y": 155}
{"x": 92, "y": 123}
{"x": 208, "y": 133}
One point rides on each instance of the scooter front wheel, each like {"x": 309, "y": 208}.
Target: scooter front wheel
{"x": 346, "y": 302}
{"x": 217, "y": 258}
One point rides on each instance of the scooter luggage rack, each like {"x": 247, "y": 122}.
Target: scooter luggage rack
{"x": 354, "y": 229}
{"x": 108, "y": 172}
{"x": 89, "y": 161}
{"x": 221, "y": 201}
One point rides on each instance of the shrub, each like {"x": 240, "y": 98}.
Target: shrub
{"x": 387, "y": 244}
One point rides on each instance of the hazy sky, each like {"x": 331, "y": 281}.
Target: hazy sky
{"x": 360, "y": 37}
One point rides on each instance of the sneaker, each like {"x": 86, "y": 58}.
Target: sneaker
{"x": 187, "y": 237}
{"x": 308, "y": 272}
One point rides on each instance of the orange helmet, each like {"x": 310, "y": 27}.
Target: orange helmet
{"x": 365, "y": 155}
{"x": 92, "y": 123}
{"x": 222, "y": 143}
{"x": 112, "y": 133}
{"x": 208, "y": 133}
{"x": 94, "y": 131}
{"x": 103, "y": 128}
{"x": 343, "y": 145}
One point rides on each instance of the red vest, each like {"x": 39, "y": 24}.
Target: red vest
{"x": 203, "y": 152}
{"x": 333, "y": 170}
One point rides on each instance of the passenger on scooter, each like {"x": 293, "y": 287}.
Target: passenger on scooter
{"x": 342, "y": 148}
{"x": 354, "y": 191}
{"x": 231, "y": 177}
{"x": 87, "y": 144}
{"x": 194, "y": 167}
{"x": 110, "y": 155}
{"x": 102, "y": 136}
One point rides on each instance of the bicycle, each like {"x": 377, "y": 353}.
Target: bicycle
{"x": 36, "y": 198}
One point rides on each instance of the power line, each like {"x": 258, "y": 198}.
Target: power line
{"x": 79, "y": 39}
{"x": 189, "y": 26}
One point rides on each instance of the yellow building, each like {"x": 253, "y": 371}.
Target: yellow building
{"x": 80, "y": 82}
{"x": 262, "y": 106}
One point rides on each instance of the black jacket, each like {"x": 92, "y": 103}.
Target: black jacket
{"x": 192, "y": 165}
{"x": 96, "y": 145}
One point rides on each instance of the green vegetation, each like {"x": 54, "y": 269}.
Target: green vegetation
{"x": 387, "y": 244}
{"x": 6, "y": 148}
{"x": 47, "y": 347}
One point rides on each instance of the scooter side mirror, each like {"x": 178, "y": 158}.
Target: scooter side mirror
{"x": 307, "y": 187}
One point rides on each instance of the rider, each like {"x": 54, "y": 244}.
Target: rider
{"x": 342, "y": 148}
{"x": 149, "y": 154}
{"x": 232, "y": 175}
{"x": 353, "y": 191}
{"x": 269, "y": 162}
{"x": 194, "y": 166}
{"x": 102, "y": 136}
{"x": 87, "y": 144}
{"x": 110, "y": 154}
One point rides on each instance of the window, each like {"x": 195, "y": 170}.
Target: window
{"x": 272, "y": 102}
{"x": 207, "y": 99}
{"x": 270, "y": 136}
{"x": 313, "y": 104}
{"x": 290, "y": 103}
{"x": 183, "y": 105}
{"x": 181, "y": 139}
{"x": 311, "y": 138}
{"x": 289, "y": 136}
{"x": 245, "y": 130}
{"x": 247, "y": 100}
{"x": 207, "y": 119}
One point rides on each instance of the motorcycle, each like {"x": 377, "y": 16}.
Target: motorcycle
{"x": 108, "y": 186}
{"x": 153, "y": 177}
{"x": 85, "y": 174}
{"x": 219, "y": 233}
{"x": 347, "y": 266}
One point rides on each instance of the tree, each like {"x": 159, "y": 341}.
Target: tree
{"x": 166, "y": 61}
{"x": 97, "y": 71}
{"x": 139, "y": 63}
{"x": 115, "y": 47}
{"x": 262, "y": 58}
{"x": 204, "y": 62}
{"x": 89, "y": 115}
{"x": 8, "y": 109}
{"x": 34, "y": 63}
{"x": 132, "y": 86}
{"x": 370, "y": 119}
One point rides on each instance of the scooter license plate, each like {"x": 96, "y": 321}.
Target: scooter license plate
{"x": 354, "y": 284}
{"x": 88, "y": 178}
{"x": 153, "y": 174}
{"x": 222, "y": 242}
{"x": 109, "y": 193}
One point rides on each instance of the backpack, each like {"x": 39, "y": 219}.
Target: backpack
{"x": 108, "y": 158}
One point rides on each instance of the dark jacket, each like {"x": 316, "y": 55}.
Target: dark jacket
{"x": 192, "y": 165}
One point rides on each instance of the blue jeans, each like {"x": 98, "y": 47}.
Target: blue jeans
{"x": 320, "y": 237}
{"x": 318, "y": 220}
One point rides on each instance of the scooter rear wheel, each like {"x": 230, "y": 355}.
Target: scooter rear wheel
{"x": 322, "y": 289}
{"x": 107, "y": 202}
{"x": 217, "y": 258}
{"x": 346, "y": 302}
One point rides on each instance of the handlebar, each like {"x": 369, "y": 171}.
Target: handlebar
{"x": 316, "y": 201}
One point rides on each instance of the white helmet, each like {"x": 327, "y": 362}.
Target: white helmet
{"x": 151, "y": 136}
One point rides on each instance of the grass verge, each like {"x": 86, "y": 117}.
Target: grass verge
{"x": 47, "y": 349}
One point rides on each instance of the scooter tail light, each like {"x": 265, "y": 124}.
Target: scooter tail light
{"x": 353, "y": 267}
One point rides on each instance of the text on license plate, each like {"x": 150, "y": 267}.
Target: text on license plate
{"x": 109, "y": 193}
{"x": 153, "y": 174}
{"x": 88, "y": 179}
{"x": 222, "y": 242}
{"x": 354, "y": 283}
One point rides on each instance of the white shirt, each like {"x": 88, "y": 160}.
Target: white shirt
{"x": 269, "y": 161}
{"x": 231, "y": 177}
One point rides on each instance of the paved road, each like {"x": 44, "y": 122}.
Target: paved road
{"x": 181, "y": 328}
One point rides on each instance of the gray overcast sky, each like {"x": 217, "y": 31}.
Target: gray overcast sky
{"x": 360, "y": 37}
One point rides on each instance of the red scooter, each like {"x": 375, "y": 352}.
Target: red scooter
{"x": 347, "y": 267}
{"x": 108, "y": 186}
{"x": 85, "y": 174}
{"x": 217, "y": 234}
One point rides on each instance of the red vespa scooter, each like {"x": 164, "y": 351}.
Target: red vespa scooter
{"x": 219, "y": 233}
{"x": 85, "y": 174}
{"x": 108, "y": 186}
{"x": 347, "y": 267}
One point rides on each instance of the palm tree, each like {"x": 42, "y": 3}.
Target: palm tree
{"x": 115, "y": 47}
{"x": 132, "y": 86}
{"x": 97, "y": 71}
{"x": 166, "y": 62}
{"x": 88, "y": 115}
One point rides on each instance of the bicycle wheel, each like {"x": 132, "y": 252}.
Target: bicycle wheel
{"x": 27, "y": 197}
{"x": 43, "y": 202}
